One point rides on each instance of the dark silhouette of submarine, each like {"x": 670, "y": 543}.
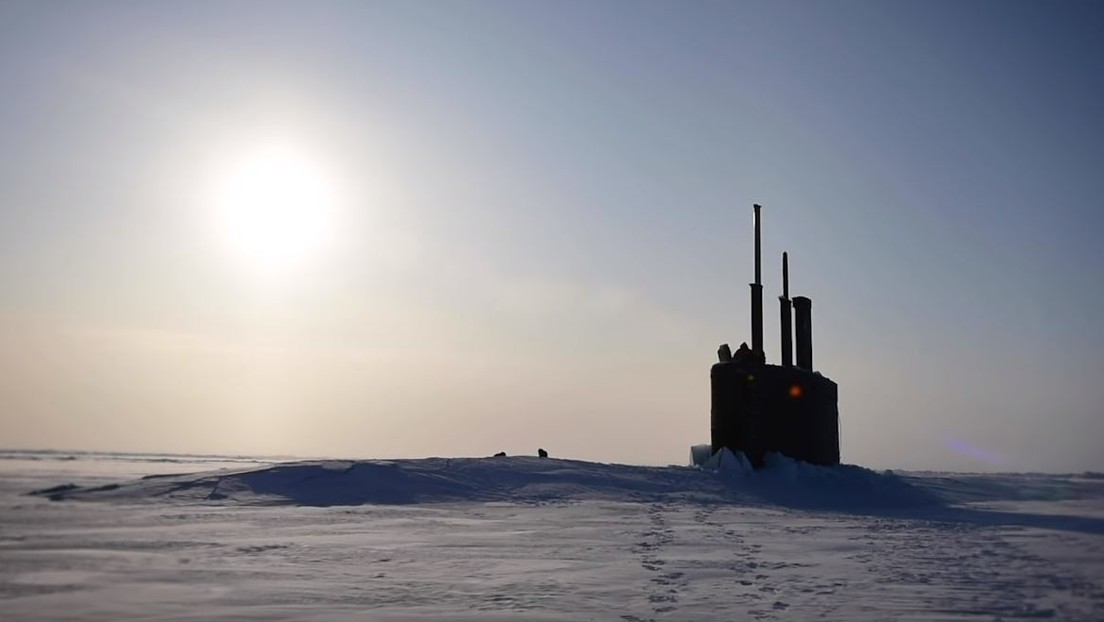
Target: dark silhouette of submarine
{"x": 758, "y": 408}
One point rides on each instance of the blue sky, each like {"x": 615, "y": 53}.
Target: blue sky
{"x": 543, "y": 224}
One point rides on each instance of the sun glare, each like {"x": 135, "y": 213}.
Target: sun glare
{"x": 275, "y": 209}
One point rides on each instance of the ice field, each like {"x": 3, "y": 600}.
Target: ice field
{"x": 521, "y": 538}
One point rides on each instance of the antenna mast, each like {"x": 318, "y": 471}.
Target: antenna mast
{"x": 757, "y": 298}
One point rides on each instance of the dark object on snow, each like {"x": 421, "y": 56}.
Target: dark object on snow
{"x": 542, "y": 453}
{"x": 500, "y": 454}
{"x": 759, "y": 408}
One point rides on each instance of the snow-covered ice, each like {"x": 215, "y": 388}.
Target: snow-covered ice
{"x": 207, "y": 538}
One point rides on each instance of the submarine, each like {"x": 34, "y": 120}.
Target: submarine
{"x": 758, "y": 408}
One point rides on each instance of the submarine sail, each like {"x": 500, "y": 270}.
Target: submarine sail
{"x": 758, "y": 408}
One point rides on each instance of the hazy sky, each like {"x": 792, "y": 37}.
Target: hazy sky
{"x": 529, "y": 224}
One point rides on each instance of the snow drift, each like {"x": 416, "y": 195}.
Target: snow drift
{"x": 726, "y": 478}
{"x": 429, "y": 480}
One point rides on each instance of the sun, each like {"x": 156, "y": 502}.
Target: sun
{"x": 275, "y": 208}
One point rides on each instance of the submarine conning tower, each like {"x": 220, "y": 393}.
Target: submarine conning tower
{"x": 758, "y": 408}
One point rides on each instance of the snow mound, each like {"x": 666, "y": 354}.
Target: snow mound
{"x": 429, "y": 480}
{"x": 700, "y": 454}
{"x": 726, "y": 478}
{"x": 845, "y": 487}
{"x": 729, "y": 465}
{"x": 785, "y": 481}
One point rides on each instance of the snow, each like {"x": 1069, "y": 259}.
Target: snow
{"x": 539, "y": 539}
{"x": 700, "y": 454}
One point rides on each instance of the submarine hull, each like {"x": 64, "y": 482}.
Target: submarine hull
{"x": 759, "y": 408}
